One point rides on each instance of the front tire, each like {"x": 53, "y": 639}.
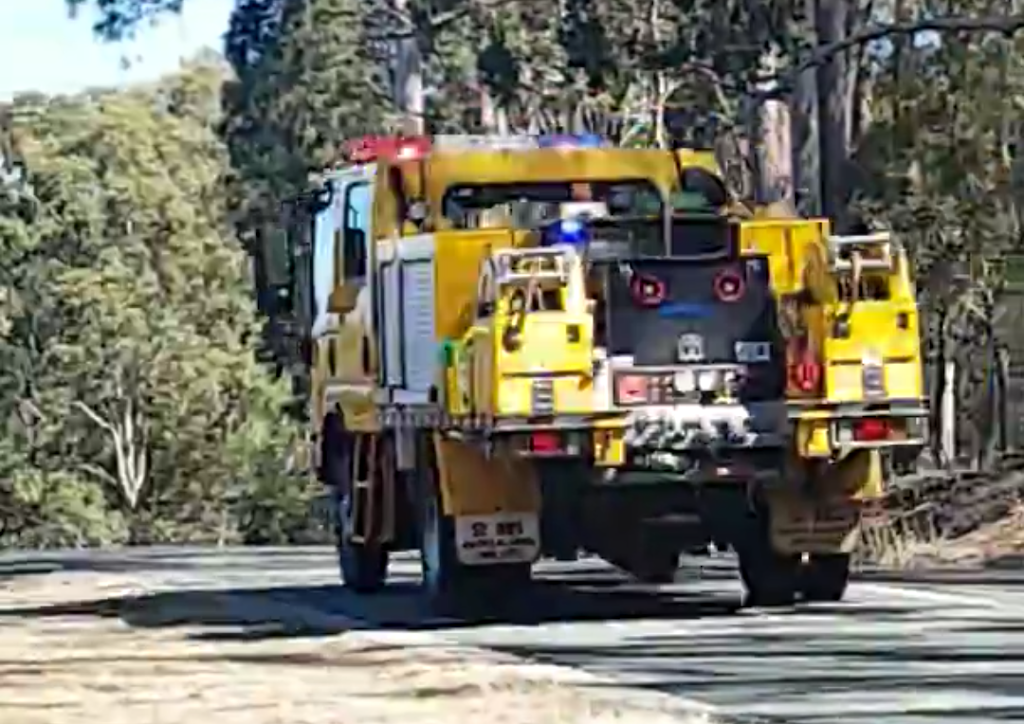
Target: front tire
{"x": 363, "y": 567}
{"x": 451, "y": 587}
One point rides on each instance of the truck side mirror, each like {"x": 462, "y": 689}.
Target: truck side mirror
{"x": 342, "y": 299}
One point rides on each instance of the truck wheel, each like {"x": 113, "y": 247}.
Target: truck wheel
{"x": 771, "y": 579}
{"x": 659, "y": 566}
{"x": 451, "y": 587}
{"x": 645, "y": 560}
{"x": 825, "y": 576}
{"x": 363, "y": 567}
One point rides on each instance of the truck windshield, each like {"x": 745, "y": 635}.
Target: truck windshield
{"x": 524, "y": 205}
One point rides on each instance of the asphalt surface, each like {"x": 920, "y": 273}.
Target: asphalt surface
{"x": 937, "y": 648}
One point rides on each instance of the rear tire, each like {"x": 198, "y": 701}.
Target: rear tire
{"x": 363, "y": 568}
{"x": 658, "y": 567}
{"x": 451, "y": 587}
{"x": 824, "y": 577}
{"x": 770, "y": 578}
{"x": 648, "y": 562}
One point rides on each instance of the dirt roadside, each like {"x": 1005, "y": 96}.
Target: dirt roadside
{"x": 113, "y": 652}
{"x": 994, "y": 545}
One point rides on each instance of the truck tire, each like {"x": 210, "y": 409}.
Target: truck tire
{"x": 659, "y": 566}
{"x": 451, "y": 587}
{"x": 646, "y": 563}
{"x": 770, "y": 579}
{"x": 824, "y": 577}
{"x": 363, "y": 568}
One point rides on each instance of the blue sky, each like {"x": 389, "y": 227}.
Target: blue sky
{"x": 41, "y": 48}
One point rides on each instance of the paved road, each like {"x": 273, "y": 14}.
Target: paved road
{"x": 948, "y": 650}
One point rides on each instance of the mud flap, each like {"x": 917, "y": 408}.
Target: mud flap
{"x": 826, "y": 515}
{"x": 494, "y": 504}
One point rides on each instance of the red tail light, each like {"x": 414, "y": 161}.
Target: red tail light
{"x": 545, "y": 442}
{"x": 648, "y": 291}
{"x": 631, "y": 389}
{"x": 871, "y": 430}
{"x": 729, "y": 286}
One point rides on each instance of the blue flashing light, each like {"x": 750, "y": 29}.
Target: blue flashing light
{"x": 566, "y": 231}
{"x": 564, "y": 140}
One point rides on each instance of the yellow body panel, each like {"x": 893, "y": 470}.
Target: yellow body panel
{"x": 554, "y": 342}
{"x": 825, "y": 515}
{"x": 457, "y": 261}
{"x": 472, "y": 484}
{"x": 446, "y": 170}
{"x": 883, "y": 329}
{"x": 354, "y": 393}
{"x": 788, "y": 244}
{"x": 702, "y": 159}
{"x": 811, "y": 438}
{"x": 498, "y": 382}
{"x": 609, "y": 446}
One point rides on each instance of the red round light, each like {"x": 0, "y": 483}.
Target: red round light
{"x": 729, "y": 286}
{"x": 648, "y": 291}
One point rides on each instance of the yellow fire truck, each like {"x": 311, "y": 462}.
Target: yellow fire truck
{"x": 855, "y": 391}
{"x": 526, "y": 346}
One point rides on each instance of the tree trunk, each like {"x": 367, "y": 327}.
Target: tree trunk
{"x": 830, "y": 21}
{"x": 773, "y": 144}
{"x": 804, "y": 144}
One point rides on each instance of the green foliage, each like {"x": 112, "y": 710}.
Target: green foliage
{"x": 119, "y": 19}
{"x": 132, "y": 400}
{"x": 927, "y": 136}
{"x": 304, "y": 81}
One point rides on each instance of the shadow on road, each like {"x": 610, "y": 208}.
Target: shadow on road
{"x": 283, "y": 611}
{"x": 131, "y": 559}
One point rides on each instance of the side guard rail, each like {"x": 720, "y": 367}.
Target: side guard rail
{"x": 873, "y": 252}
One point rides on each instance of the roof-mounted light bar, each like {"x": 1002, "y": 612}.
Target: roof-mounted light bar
{"x": 369, "y": 149}
{"x": 468, "y": 142}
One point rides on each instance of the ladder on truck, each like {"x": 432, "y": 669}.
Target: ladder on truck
{"x": 519, "y": 267}
{"x": 533, "y": 269}
{"x": 863, "y": 252}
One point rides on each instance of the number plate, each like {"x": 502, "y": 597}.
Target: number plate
{"x": 753, "y": 351}
{"x": 483, "y": 540}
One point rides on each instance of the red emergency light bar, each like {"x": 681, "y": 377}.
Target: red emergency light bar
{"x": 368, "y": 149}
